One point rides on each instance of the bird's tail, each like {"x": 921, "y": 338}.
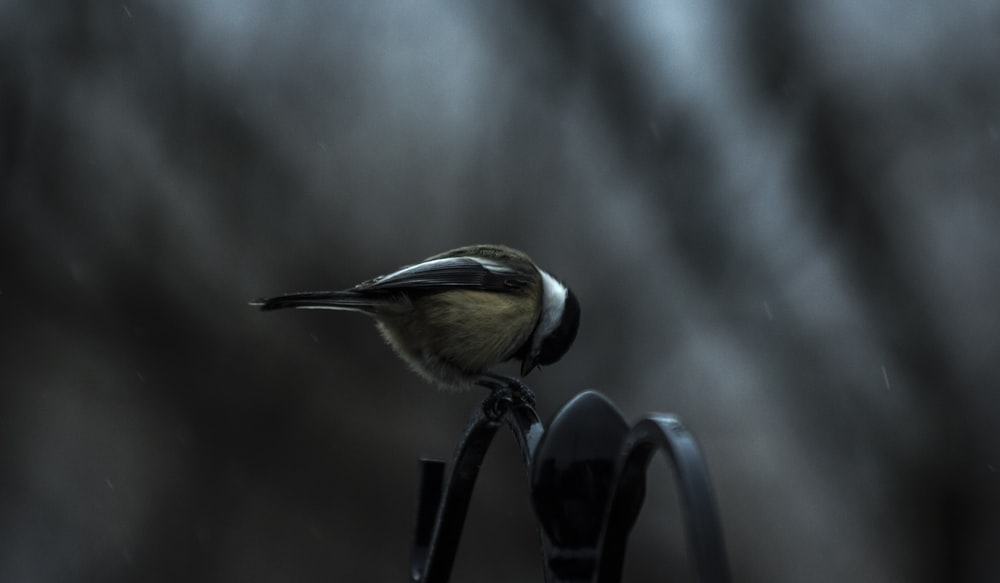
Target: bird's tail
{"x": 324, "y": 300}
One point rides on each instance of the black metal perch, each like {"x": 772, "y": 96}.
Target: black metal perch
{"x": 588, "y": 480}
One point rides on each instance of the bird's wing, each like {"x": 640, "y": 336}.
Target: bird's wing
{"x": 450, "y": 273}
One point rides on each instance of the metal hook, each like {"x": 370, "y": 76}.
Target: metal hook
{"x": 588, "y": 481}
{"x": 441, "y": 512}
{"x": 666, "y": 433}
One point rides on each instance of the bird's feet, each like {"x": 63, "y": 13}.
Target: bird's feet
{"x": 504, "y": 392}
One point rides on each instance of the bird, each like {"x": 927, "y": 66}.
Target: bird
{"x": 456, "y": 315}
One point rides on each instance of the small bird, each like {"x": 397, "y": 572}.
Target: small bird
{"x": 455, "y": 315}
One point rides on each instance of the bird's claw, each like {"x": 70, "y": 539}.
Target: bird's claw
{"x": 505, "y": 392}
{"x": 497, "y": 404}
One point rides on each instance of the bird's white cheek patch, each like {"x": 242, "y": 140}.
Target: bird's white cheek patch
{"x": 553, "y": 303}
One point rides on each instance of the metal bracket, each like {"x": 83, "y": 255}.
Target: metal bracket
{"x": 588, "y": 481}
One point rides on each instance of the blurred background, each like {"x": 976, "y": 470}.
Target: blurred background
{"x": 781, "y": 220}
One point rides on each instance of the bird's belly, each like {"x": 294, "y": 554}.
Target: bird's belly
{"x": 463, "y": 332}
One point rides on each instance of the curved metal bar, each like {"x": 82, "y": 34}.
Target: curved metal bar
{"x": 573, "y": 474}
{"x": 665, "y": 432}
{"x": 433, "y": 557}
{"x": 523, "y": 422}
{"x": 441, "y": 512}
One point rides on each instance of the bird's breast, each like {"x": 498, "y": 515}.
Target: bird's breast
{"x": 473, "y": 330}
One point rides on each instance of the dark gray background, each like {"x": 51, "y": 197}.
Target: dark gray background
{"x": 781, "y": 220}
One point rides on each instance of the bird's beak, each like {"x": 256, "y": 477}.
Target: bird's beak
{"x": 529, "y": 364}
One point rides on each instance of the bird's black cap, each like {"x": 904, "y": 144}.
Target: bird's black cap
{"x": 556, "y": 344}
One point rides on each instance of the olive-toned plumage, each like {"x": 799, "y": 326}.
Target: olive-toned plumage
{"x": 455, "y": 315}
